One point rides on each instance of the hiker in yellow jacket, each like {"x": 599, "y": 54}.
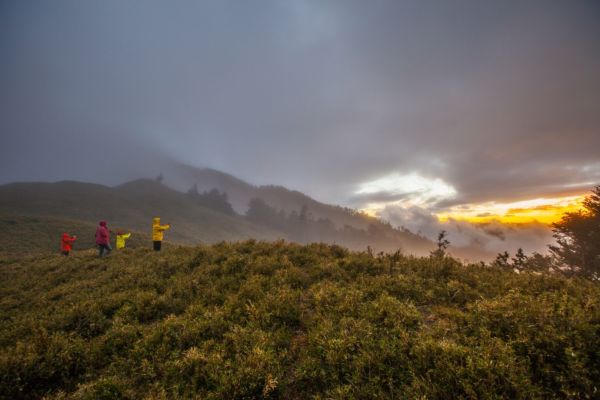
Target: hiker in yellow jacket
{"x": 157, "y": 232}
{"x": 121, "y": 238}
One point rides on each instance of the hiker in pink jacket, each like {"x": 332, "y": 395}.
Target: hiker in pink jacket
{"x": 103, "y": 238}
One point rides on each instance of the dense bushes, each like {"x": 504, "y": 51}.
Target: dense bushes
{"x": 277, "y": 320}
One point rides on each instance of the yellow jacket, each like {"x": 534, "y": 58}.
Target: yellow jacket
{"x": 121, "y": 240}
{"x": 158, "y": 229}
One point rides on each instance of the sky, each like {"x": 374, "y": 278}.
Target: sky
{"x": 478, "y": 116}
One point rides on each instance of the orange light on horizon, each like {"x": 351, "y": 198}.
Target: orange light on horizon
{"x": 545, "y": 211}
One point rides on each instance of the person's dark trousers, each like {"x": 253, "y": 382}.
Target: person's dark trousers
{"x": 65, "y": 253}
{"x": 157, "y": 244}
{"x": 102, "y": 248}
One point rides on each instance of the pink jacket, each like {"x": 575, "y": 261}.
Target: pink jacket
{"x": 102, "y": 236}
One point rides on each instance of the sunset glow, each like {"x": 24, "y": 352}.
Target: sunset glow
{"x": 543, "y": 210}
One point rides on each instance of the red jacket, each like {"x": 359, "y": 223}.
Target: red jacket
{"x": 66, "y": 243}
{"x": 102, "y": 236}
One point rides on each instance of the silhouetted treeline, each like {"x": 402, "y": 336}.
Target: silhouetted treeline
{"x": 577, "y": 237}
{"x": 212, "y": 199}
{"x": 303, "y": 227}
{"x": 577, "y": 248}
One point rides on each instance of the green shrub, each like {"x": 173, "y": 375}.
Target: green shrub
{"x": 279, "y": 320}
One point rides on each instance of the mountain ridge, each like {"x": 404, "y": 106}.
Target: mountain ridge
{"x": 132, "y": 209}
{"x": 132, "y": 204}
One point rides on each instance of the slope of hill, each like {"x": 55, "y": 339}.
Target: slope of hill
{"x": 283, "y": 321}
{"x": 129, "y": 206}
{"x": 182, "y": 177}
{"x": 290, "y": 202}
{"x": 35, "y": 235}
{"x": 132, "y": 206}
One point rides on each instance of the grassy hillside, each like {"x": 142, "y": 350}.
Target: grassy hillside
{"x": 276, "y": 320}
{"x": 130, "y": 206}
{"x": 33, "y": 235}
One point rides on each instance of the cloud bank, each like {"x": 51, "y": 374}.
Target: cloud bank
{"x": 492, "y": 237}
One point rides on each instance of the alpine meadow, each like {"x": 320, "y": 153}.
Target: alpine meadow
{"x": 278, "y": 320}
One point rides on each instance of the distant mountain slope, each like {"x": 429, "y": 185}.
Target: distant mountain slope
{"x": 377, "y": 233}
{"x": 284, "y": 214}
{"x": 129, "y": 206}
{"x": 182, "y": 177}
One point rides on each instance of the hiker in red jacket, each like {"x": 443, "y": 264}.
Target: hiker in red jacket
{"x": 66, "y": 243}
{"x": 103, "y": 238}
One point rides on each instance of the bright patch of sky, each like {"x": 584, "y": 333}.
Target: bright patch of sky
{"x": 544, "y": 210}
{"x": 412, "y": 190}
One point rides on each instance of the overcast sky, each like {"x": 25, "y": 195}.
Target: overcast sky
{"x": 480, "y": 100}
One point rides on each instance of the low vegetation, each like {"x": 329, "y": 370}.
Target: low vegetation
{"x": 277, "y": 320}
{"x": 38, "y": 235}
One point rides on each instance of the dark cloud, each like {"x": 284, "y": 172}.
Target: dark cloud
{"x": 496, "y": 232}
{"x": 498, "y": 99}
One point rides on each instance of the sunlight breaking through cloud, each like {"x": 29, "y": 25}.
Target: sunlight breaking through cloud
{"x": 542, "y": 210}
{"x": 403, "y": 189}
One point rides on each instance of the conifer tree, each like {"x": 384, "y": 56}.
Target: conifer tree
{"x": 502, "y": 260}
{"x": 578, "y": 237}
{"x": 442, "y": 245}
{"x": 519, "y": 260}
